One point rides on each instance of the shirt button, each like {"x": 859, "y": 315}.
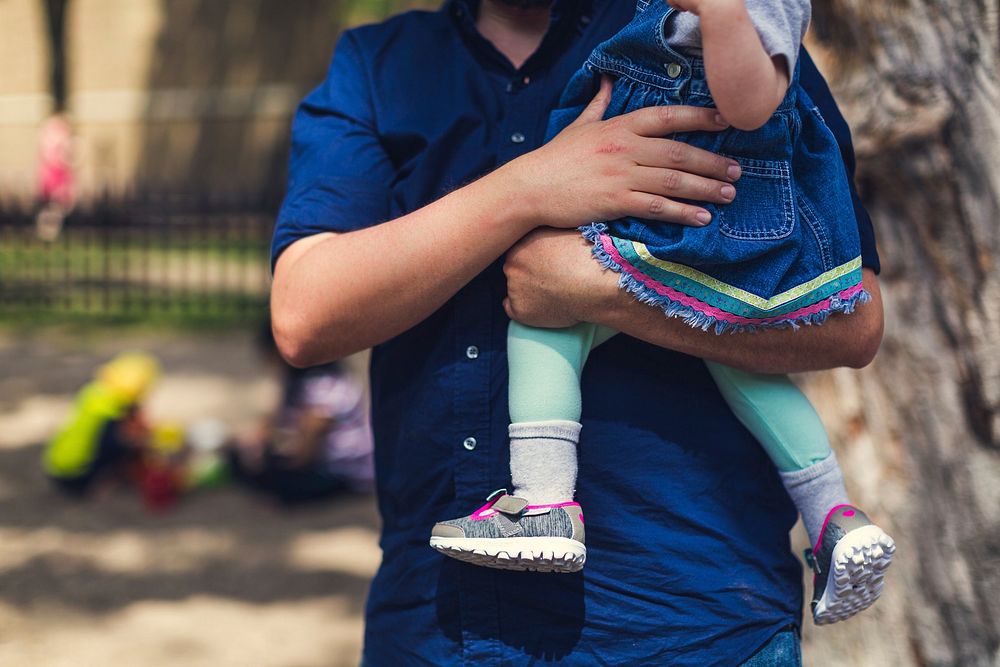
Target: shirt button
{"x": 470, "y": 444}
{"x": 674, "y": 70}
{"x": 472, "y": 352}
{"x": 517, "y": 138}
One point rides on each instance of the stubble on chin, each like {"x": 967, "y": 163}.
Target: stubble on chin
{"x": 526, "y": 4}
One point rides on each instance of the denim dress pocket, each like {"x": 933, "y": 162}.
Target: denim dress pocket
{"x": 764, "y": 208}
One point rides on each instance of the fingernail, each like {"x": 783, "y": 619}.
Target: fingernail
{"x": 719, "y": 120}
{"x": 728, "y": 191}
{"x": 734, "y": 171}
{"x": 704, "y": 217}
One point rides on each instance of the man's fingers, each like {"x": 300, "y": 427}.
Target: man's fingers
{"x": 508, "y": 308}
{"x": 669, "y": 154}
{"x": 663, "y": 121}
{"x": 654, "y": 207}
{"x": 595, "y": 110}
{"x": 677, "y": 184}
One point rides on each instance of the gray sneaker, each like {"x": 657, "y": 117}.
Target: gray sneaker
{"x": 849, "y": 563}
{"x": 509, "y": 534}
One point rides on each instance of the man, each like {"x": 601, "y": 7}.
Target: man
{"x": 387, "y": 240}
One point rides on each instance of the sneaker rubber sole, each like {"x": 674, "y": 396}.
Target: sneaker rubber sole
{"x": 859, "y": 562}
{"x": 533, "y": 554}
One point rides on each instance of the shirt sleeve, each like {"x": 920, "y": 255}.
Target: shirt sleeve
{"x": 782, "y": 26}
{"x": 816, "y": 87}
{"x": 339, "y": 175}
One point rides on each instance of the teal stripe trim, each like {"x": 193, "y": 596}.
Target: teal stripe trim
{"x": 725, "y": 302}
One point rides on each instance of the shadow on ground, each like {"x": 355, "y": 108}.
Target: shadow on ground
{"x": 246, "y": 553}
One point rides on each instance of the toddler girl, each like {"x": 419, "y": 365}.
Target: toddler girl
{"x": 786, "y": 252}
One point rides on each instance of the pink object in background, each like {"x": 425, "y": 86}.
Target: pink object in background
{"x": 56, "y": 183}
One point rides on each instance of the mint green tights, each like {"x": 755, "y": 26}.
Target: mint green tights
{"x": 545, "y": 369}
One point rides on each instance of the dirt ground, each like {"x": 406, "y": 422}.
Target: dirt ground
{"x": 224, "y": 580}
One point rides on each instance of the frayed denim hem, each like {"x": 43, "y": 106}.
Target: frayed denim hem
{"x": 701, "y": 320}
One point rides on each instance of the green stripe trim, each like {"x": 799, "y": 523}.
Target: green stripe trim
{"x": 835, "y": 283}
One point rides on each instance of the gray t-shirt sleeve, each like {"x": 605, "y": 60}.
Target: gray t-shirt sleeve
{"x": 781, "y": 24}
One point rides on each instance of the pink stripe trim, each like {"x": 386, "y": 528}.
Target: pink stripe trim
{"x": 826, "y": 521}
{"x": 702, "y": 307}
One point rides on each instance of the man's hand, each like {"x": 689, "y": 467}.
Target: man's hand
{"x": 597, "y": 170}
{"x": 553, "y": 281}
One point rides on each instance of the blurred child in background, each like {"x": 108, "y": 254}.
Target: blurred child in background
{"x": 319, "y": 442}
{"x": 107, "y": 430}
{"x": 56, "y": 183}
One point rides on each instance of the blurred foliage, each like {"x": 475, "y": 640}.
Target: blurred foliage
{"x": 355, "y": 12}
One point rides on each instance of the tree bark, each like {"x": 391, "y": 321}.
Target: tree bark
{"x": 919, "y": 431}
{"x": 55, "y": 15}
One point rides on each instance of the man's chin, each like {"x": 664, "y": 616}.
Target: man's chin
{"x": 526, "y": 4}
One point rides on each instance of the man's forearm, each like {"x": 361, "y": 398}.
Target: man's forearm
{"x": 842, "y": 341}
{"x": 579, "y": 290}
{"x": 335, "y": 294}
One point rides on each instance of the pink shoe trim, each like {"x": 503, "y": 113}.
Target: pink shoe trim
{"x": 553, "y": 506}
{"x": 484, "y": 512}
{"x": 819, "y": 540}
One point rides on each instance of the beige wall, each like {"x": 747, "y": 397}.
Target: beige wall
{"x": 111, "y": 46}
{"x": 176, "y": 94}
{"x": 23, "y": 82}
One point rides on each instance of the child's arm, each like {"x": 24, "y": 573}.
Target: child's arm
{"x": 746, "y": 83}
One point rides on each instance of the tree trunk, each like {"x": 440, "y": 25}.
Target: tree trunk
{"x": 919, "y": 431}
{"x": 55, "y": 15}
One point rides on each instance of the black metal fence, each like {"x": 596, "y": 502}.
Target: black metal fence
{"x": 139, "y": 258}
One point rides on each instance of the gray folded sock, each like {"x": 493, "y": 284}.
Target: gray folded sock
{"x": 815, "y": 491}
{"x": 543, "y": 460}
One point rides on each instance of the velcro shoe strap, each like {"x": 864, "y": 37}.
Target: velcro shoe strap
{"x": 510, "y": 505}
{"x": 811, "y": 560}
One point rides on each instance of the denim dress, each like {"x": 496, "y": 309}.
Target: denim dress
{"x": 785, "y": 252}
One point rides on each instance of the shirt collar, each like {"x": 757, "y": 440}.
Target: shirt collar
{"x": 565, "y": 14}
{"x": 559, "y": 7}
{"x": 467, "y": 10}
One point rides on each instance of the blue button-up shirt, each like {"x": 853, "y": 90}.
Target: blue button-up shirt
{"x": 687, "y": 522}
